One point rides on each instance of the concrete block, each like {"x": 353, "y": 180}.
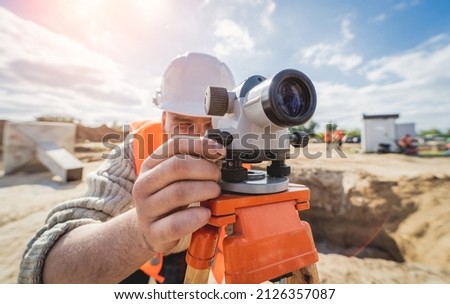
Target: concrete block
{"x": 59, "y": 161}
{"x": 23, "y": 142}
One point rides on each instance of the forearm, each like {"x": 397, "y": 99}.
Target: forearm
{"x": 98, "y": 253}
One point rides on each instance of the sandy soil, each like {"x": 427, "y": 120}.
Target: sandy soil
{"x": 415, "y": 188}
{"x": 390, "y": 210}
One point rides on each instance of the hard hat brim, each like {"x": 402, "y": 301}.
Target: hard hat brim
{"x": 188, "y": 108}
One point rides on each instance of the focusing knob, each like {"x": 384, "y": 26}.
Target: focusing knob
{"x": 299, "y": 139}
{"x": 278, "y": 168}
{"x": 216, "y": 101}
{"x": 234, "y": 175}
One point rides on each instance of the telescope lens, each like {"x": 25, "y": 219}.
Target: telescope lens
{"x": 291, "y": 99}
{"x": 287, "y": 99}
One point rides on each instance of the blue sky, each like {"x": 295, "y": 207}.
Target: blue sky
{"x": 101, "y": 60}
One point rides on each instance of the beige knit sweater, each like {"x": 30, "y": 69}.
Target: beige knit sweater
{"x": 108, "y": 195}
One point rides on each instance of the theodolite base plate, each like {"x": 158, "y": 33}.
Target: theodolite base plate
{"x": 266, "y": 185}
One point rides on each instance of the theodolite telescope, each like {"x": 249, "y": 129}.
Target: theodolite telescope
{"x": 267, "y": 240}
{"x": 252, "y": 122}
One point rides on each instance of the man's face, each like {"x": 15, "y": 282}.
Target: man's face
{"x": 176, "y": 124}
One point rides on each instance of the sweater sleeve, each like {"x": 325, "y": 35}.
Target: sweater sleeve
{"x": 108, "y": 195}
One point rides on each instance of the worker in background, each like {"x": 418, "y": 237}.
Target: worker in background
{"x": 406, "y": 145}
{"x": 339, "y": 137}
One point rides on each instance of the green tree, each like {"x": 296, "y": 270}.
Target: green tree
{"x": 353, "y": 133}
{"x": 432, "y": 131}
{"x": 309, "y": 128}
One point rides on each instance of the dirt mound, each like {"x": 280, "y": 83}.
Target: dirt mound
{"x": 93, "y": 142}
{"x": 338, "y": 269}
{"x": 358, "y": 214}
{"x": 97, "y": 134}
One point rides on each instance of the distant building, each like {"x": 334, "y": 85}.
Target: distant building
{"x": 381, "y": 133}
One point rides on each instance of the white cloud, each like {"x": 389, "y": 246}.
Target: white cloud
{"x": 346, "y": 32}
{"x": 266, "y": 15}
{"x": 403, "y": 5}
{"x": 323, "y": 54}
{"x": 243, "y": 26}
{"x": 423, "y": 64}
{"x": 379, "y": 18}
{"x": 413, "y": 84}
{"x": 232, "y": 37}
{"x": 50, "y": 73}
{"x": 400, "y": 6}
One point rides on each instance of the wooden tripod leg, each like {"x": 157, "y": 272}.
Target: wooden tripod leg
{"x": 200, "y": 254}
{"x": 196, "y": 276}
{"x": 305, "y": 275}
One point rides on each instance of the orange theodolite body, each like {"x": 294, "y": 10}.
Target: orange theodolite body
{"x": 268, "y": 241}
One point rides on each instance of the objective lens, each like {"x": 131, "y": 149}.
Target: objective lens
{"x": 290, "y": 97}
{"x": 287, "y": 99}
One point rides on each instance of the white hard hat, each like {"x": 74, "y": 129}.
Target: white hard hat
{"x": 185, "y": 81}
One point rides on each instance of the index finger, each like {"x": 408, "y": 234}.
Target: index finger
{"x": 186, "y": 145}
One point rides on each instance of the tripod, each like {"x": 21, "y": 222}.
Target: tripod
{"x": 268, "y": 242}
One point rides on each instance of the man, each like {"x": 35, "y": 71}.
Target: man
{"x": 339, "y": 137}
{"x": 406, "y": 141}
{"x": 406, "y": 145}
{"x": 137, "y": 205}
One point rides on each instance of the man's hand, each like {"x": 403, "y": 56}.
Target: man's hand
{"x": 178, "y": 173}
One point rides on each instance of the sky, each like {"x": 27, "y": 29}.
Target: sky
{"x": 100, "y": 61}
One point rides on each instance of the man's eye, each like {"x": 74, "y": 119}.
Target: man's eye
{"x": 184, "y": 127}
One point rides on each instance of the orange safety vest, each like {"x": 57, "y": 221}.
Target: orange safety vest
{"x": 327, "y": 137}
{"x": 147, "y": 137}
{"x": 339, "y": 135}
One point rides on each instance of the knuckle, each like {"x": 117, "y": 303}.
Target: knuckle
{"x": 216, "y": 188}
{"x": 140, "y": 189}
{"x": 205, "y": 190}
{"x": 213, "y": 190}
{"x": 217, "y": 173}
{"x": 146, "y": 164}
{"x": 137, "y": 190}
{"x": 180, "y": 190}
{"x": 179, "y": 165}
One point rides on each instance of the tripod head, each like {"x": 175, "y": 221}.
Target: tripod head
{"x": 252, "y": 122}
